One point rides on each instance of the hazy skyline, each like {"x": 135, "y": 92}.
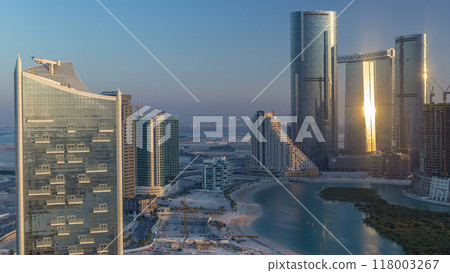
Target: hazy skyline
{"x": 225, "y": 52}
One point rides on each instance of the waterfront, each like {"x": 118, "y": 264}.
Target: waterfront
{"x": 285, "y": 223}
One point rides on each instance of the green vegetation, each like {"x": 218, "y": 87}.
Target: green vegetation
{"x": 417, "y": 231}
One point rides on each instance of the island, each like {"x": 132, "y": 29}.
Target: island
{"x": 419, "y": 232}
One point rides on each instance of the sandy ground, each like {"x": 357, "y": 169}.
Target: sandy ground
{"x": 241, "y": 221}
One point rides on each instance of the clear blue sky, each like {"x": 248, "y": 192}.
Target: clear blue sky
{"x": 225, "y": 52}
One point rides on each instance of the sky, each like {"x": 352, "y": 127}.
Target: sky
{"x": 225, "y": 52}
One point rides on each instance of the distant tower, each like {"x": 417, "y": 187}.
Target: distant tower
{"x": 314, "y": 80}
{"x": 157, "y": 161}
{"x": 410, "y": 94}
{"x": 369, "y": 98}
{"x": 69, "y": 163}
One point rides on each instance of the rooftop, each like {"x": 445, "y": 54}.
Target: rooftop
{"x": 64, "y": 73}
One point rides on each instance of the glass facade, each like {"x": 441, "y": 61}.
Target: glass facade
{"x": 369, "y": 105}
{"x": 410, "y": 71}
{"x": 70, "y": 183}
{"x": 314, "y": 80}
{"x": 369, "y": 90}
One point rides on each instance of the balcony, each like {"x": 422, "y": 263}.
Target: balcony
{"x": 100, "y": 139}
{"x": 42, "y": 140}
{"x": 103, "y": 228}
{"x": 63, "y": 232}
{"x": 56, "y": 202}
{"x": 84, "y": 180}
{"x": 75, "y": 160}
{"x": 57, "y": 181}
{"x": 76, "y": 221}
{"x": 78, "y": 150}
{"x": 40, "y": 192}
{"x": 96, "y": 169}
{"x": 58, "y": 150}
{"x": 60, "y": 160}
{"x": 102, "y": 188}
{"x": 101, "y": 209}
{"x": 42, "y": 171}
{"x": 60, "y": 190}
{"x": 46, "y": 242}
{"x": 72, "y": 200}
{"x": 84, "y": 240}
{"x": 105, "y": 129}
{"x": 75, "y": 251}
{"x": 102, "y": 249}
{"x": 58, "y": 222}
{"x": 39, "y": 120}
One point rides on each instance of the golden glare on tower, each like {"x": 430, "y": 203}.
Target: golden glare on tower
{"x": 369, "y": 105}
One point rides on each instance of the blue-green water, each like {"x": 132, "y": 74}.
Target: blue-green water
{"x": 287, "y": 223}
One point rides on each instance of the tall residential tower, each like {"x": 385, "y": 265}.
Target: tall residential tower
{"x": 314, "y": 79}
{"x": 128, "y": 147}
{"x": 276, "y": 152}
{"x": 157, "y": 152}
{"x": 68, "y": 168}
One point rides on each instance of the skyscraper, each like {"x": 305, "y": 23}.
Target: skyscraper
{"x": 436, "y": 140}
{"x": 433, "y": 181}
{"x": 314, "y": 79}
{"x": 157, "y": 153}
{"x": 68, "y": 169}
{"x": 410, "y": 93}
{"x": 369, "y": 98}
{"x": 278, "y": 153}
{"x": 128, "y": 149}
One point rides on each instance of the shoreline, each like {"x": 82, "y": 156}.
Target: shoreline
{"x": 349, "y": 180}
{"x": 418, "y": 198}
{"x": 248, "y": 211}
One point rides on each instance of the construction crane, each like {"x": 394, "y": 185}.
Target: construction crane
{"x": 49, "y": 62}
{"x": 185, "y": 208}
{"x": 444, "y": 92}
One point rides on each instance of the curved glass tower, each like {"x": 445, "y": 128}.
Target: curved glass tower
{"x": 411, "y": 84}
{"x": 314, "y": 79}
{"x": 68, "y": 169}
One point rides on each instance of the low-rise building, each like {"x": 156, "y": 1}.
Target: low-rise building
{"x": 141, "y": 203}
{"x": 217, "y": 173}
{"x": 439, "y": 189}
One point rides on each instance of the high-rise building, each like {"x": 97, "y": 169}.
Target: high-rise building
{"x": 128, "y": 147}
{"x": 277, "y": 152}
{"x": 69, "y": 163}
{"x": 436, "y": 140}
{"x": 369, "y": 99}
{"x": 433, "y": 182}
{"x": 314, "y": 80}
{"x": 217, "y": 173}
{"x": 157, "y": 153}
{"x": 410, "y": 94}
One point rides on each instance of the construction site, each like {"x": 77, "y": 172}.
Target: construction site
{"x": 198, "y": 224}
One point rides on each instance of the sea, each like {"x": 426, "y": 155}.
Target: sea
{"x": 287, "y": 223}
